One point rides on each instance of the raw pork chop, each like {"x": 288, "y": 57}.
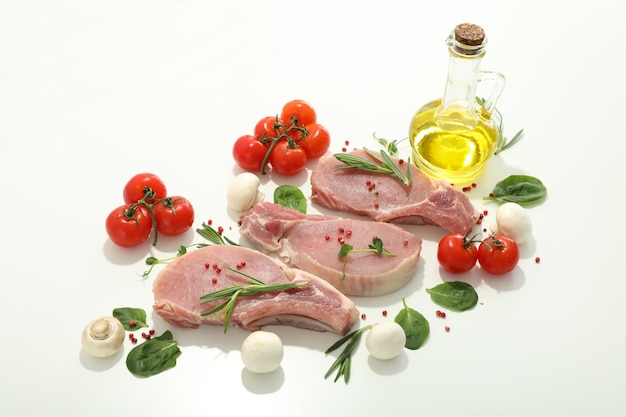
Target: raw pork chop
{"x": 312, "y": 242}
{"x": 179, "y": 286}
{"x": 385, "y": 198}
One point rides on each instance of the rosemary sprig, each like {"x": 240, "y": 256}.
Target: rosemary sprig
{"x": 503, "y": 142}
{"x": 344, "y": 360}
{"x": 376, "y": 247}
{"x": 213, "y": 236}
{"x": 383, "y": 165}
{"x": 230, "y": 295}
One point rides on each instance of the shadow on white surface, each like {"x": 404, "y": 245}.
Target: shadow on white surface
{"x": 263, "y": 383}
{"x": 100, "y": 364}
{"x": 389, "y": 367}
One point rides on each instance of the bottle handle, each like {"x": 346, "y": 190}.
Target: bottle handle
{"x": 499, "y": 82}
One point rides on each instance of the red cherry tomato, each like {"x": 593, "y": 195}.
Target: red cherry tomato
{"x": 267, "y": 127}
{"x": 300, "y": 110}
{"x": 499, "y": 254}
{"x": 129, "y": 225}
{"x": 287, "y": 160}
{"x": 317, "y": 142}
{"x": 145, "y": 185}
{"x": 248, "y": 152}
{"x": 173, "y": 215}
{"x": 456, "y": 253}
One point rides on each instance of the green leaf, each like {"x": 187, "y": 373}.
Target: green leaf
{"x": 290, "y": 197}
{"x": 129, "y": 315}
{"x": 415, "y": 326}
{"x": 377, "y": 245}
{"x": 521, "y": 189}
{"x": 454, "y": 295}
{"x": 153, "y": 356}
{"x": 345, "y": 250}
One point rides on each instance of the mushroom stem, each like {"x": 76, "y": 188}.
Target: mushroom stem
{"x": 100, "y": 329}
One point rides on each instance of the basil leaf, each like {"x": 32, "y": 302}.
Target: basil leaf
{"x": 416, "y": 327}
{"x": 520, "y": 189}
{"x": 290, "y": 197}
{"x": 153, "y": 356}
{"x": 128, "y": 316}
{"x": 454, "y": 295}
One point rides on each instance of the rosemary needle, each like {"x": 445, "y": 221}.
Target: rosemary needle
{"x": 230, "y": 295}
{"x": 344, "y": 360}
{"x": 383, "y": 165}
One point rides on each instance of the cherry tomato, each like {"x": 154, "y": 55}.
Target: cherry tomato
{"x": 129, "y": 225}
{"x": 266, "y": 127}
{"x": 317, "y": 142}
{"x": 499, "y": 254}
{"x": 299, "y": 109}
{"x": 249, "y": 153}
{"x": 173, "y": 215}
{"x": 287, "y": 160}
{"x": 144, "y": 185}
{"x": 456, "y": 253}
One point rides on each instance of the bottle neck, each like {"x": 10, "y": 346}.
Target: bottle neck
{"x": 463, "y": 75}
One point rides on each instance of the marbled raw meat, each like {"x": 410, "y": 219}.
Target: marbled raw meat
{"x": 384, "y": 198}
{"x": 316, "y": 306}
{"x": 312, "y": 242}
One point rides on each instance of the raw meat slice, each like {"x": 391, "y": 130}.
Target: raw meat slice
{"x": 315, "y": 306}
{"x": 384, "y": 198}
{"x": 312, "y": 242}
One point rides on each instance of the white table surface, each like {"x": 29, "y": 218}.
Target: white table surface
{"x": 93, "y": 92}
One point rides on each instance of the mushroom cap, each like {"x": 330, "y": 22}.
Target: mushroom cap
{"x": 243, "y": 192}
{"x": 514, "y": 221}
{"x": 262, "y": 352}
{"x": 103, "y": 337}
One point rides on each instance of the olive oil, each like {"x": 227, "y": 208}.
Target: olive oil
{"x": 453, "y": 137}
{"x": 452, "y": 145}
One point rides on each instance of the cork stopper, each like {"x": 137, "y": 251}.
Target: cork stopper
{"x": 469, "y": 34}
{"x": 468, "y": 39}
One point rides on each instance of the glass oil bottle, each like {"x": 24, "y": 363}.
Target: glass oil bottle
{"x": 453, "y": 137}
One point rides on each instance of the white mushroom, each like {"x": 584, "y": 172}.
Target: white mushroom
{"x": 262, "y": 352}
{"x": 103, "y": 337}
{"x": 243, "y": 192}
{"x": 512, "y": 220}
{"x": 385, "y": 340}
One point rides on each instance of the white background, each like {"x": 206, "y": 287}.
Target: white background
{"x": 93, "y": 92}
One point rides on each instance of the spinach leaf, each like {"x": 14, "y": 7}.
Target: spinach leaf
{"x": 454, "y": 295}
{"x": 521, "y": 189}
{"x": 131, "y": 318}
{"x": 153, "y": 356}
{"x": 416, "y": 327}
{"x": 291, "y": 197}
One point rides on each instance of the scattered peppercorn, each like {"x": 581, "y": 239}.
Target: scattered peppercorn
{"x": 363, "y": 316}
{"x": 384, "y": 313}
{"x": 537, "y": 260}
{"x": 447, "y": 328}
